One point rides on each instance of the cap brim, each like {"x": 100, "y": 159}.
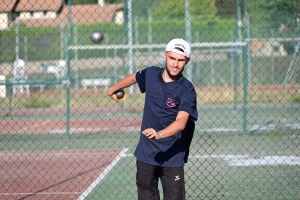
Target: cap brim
{"x": 179, "y": 52}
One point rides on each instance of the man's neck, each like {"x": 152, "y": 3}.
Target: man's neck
{"x": 167, "y": 78}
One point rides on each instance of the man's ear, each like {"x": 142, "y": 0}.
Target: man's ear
{"x": 165, "y": 55}
{"x": 187, "y": 60}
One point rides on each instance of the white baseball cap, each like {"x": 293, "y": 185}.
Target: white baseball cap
{"x": 180, "y": 46}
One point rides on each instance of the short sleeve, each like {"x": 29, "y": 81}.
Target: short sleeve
{"x": 188, "y": 102}
{"x": 141, "y": 80}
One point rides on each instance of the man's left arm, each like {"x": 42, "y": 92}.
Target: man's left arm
{"x": 176, "y": 126}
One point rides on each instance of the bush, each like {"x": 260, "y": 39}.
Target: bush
{"x": 289, "y": 47}
{"x": 297, "y": 99}
{"x": 37, "y": 102}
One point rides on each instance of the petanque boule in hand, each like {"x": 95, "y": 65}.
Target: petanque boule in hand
{"x": 120, "y": 94}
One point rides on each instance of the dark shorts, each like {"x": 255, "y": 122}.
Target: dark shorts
{"x": 172, "y": 179}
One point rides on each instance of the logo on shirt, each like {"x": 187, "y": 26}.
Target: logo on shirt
{"x": 171, "y": 103}
{"x": 177, "y": 178}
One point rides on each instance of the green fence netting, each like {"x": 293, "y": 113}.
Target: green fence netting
{"x": 62, "y": 137}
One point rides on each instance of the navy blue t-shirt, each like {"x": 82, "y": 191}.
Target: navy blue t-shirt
{"x": 163, "y": 101}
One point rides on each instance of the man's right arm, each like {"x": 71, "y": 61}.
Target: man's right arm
{"x": 121, "y": 84}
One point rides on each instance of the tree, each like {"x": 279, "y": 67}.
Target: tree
{"x": 114, "y": 1}
{"x": 176, "y": 8}
{"x": 278, "y": 12}
{"x": 79, "y": 2}
{"x": 140, "y": 8}
{"x": 203, "y": 8}
{"x": 226, "y": 8}
{"x": 169, "y": 9}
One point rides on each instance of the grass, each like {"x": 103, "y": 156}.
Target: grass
{"x": 134, "y": 101}
{"x": 37, "y": 102}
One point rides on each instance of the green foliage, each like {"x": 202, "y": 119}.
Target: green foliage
{"x": 203, "y": 8}
{"x": 170, "y": 9}
{"x": 176, "y": 9}
{"x": 37, "y": 102}
{"x": 278, "y": 12}
{"x": 44, "y": 43}
{"x": 76, "y": 2}
{"x": 226, "y": 8}
{"x": 297, "y": 99}
{"x": 113, "y": 1}
{"x": 141, "y": 8}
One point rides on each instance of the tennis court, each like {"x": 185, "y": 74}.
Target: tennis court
{"x": 53, "y": 174}
{"x": 62, "y": 137}
{"x": 38, "y": 161}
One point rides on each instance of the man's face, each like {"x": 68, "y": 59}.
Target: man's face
{"x": 175, "y": 64}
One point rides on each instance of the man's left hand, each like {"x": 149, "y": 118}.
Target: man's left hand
{"x": 151, "y": 133}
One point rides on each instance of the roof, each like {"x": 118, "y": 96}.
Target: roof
{"x": 40, "y": 5}
{"x": 7, "y": 5}
{"x": 93, "y": 13}
{"x": 84, "y": 14}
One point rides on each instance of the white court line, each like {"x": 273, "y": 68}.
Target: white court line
{"x": 36, "y": 194}
{"x": 218, "y": 156}
{"x": 246, "y": 160}
{"x": 254, "y": 127}
{"x": 97, "y": 181}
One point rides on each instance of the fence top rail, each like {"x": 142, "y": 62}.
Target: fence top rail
{"x": 195, "y": 44}
{"x": 274, "y": 39}
{"x": 155, "y": 46}
{"x": 32, "y": 81}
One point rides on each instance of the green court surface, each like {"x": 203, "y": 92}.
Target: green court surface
{"x": 223, "y": 167}
{"x": 224, "y": 162}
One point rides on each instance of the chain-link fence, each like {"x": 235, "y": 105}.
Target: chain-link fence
{"x": 62, "y": 137}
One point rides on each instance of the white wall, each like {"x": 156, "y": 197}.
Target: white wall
{"x": 101, "y": 3}
{"x": 38, "y": 15}
{"x": 2, "y": 87}
{"x": 3, "y": 21}
{"x": 119, "y": 17}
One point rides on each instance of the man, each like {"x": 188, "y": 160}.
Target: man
{"x": 167, "y": 126}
